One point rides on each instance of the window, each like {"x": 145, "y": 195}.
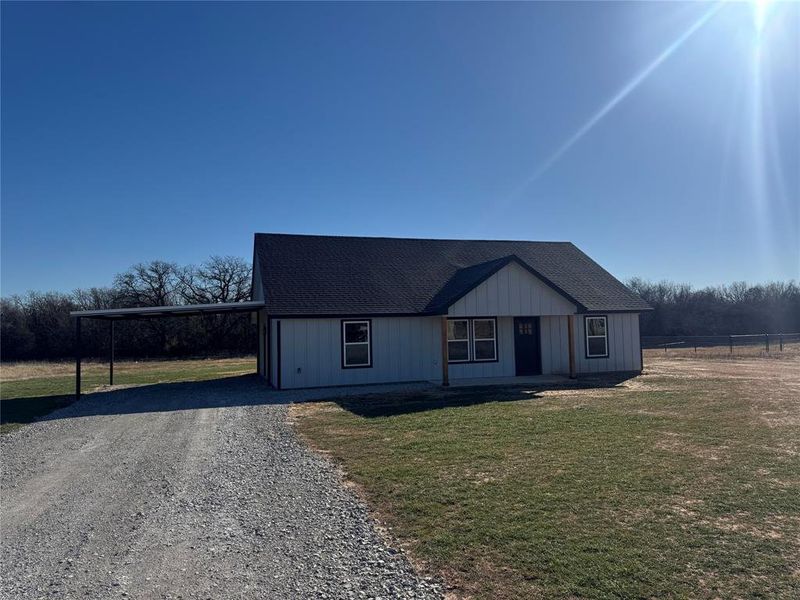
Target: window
{"x": 484, "y": 340}
{"x": 458, "y": 340}
{"x": 471, "y": 340}
{"x": 596, "y": 337}
{"x": 356, "y": 344}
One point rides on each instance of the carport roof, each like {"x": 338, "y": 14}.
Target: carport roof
{"x": 184, "y": 310}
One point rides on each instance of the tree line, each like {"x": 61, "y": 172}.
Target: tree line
{"x": 679, "y": 309}
{"x": 37, "y": 326}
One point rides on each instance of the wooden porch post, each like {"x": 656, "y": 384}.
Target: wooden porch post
{"x": 571, "y": 335}
{"x": 445, "y": 374}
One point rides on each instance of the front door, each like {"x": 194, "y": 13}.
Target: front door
{"x": 527, "y": 353}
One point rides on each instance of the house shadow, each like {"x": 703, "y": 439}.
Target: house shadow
{"x": 437, "y": 398}
{"x": 241, "y": 390}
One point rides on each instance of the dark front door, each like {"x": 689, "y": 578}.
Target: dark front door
{"x": 527, "y": 353}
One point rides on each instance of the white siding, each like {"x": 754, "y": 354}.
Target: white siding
{"x": 623, "y": 345}
{"x": 554, "y": 332}
{"x": 409, "y": 349}
{"x": 403, "y": 349}
{"x": 512, "y": 291}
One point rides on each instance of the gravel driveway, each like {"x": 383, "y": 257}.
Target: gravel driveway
{"x": 195, "y": 490}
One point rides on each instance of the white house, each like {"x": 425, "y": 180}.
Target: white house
{"x": 358, "y": 310}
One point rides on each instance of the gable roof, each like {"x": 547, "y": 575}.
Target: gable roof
{"x": 330, "y": 275}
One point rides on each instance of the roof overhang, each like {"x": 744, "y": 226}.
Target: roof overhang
{"x": 183, "y": 310}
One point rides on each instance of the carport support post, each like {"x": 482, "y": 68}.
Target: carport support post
{"x": 77, "y": 358}
{"x": 571, "y": 345}
{"x": 445, "y": 373}
{"x": 111, "y": 353}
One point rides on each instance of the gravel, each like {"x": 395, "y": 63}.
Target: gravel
{"x": 196, "y": 490}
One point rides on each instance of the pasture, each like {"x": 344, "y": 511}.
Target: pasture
{"x": 683, "y": 482}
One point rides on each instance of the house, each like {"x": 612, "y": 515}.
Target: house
{"x": 360, "y": 310}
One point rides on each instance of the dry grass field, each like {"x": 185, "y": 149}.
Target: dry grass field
{"x": 791, "y": 350}
{"x": 32, "y": 389}
{"x": 683, "y": 482}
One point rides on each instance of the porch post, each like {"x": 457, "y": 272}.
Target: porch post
{"x": 571, "y": 335}
{"x": 77, "y": 358}
{"x": 445, "y": 374}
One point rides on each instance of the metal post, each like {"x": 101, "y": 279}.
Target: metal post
{"x": 766, "y": 341}
{"x": 77, "y": 358}
{"x": 260, "y": 344}
{"x": 111, "y": 354}
{"x": 780, "y": 337}
{"x": 730, "y": 343}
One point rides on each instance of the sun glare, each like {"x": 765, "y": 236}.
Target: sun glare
{"x": 760, "y": 13}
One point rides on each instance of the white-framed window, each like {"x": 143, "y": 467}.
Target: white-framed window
{"x": 458, "y": 340}
{"x": 484, "y": 340}
{"x": 356, "y": 344}
{"x": 596, "y": 337}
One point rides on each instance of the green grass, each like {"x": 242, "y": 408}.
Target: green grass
{"x": 24, "y": 398}
{"x": 669, "y": 487}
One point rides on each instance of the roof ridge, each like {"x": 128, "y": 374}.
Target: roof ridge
{"x": 410, "y": 239}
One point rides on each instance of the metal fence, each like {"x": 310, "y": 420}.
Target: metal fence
{"x": 771, "y": 342}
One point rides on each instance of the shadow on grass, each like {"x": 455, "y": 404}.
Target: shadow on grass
{"x": 392, "y": 404}
{"x": 27, "y": 410}
{"x": 241, "y": 390}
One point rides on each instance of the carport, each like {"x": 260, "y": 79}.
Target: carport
{"x": 149, "y": 312}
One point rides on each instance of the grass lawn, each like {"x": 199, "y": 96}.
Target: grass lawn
{"x": 683, "y": 482}
{"x": 31, "y": 390}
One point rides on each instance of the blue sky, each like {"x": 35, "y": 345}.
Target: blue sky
{"x": 133, "y": 132}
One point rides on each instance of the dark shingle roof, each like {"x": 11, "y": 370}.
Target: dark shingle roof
{"x": 327, "y": 275}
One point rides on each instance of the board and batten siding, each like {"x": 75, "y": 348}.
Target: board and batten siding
{"x": 512, "y": 291}
{"x": 403, "y": 349}
{"x": 624, "y": 345}
{"x": 409, "y": 349}
{"x": 554, "y": 335}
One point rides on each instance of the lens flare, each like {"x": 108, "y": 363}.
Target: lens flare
{"x": 623, "y": 93}
{"x": 760, "y": 13}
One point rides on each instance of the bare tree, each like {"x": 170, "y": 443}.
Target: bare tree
{"x": 219, "y": 279}
{"x": 148, "y": 284}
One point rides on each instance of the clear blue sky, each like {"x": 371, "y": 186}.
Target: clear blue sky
{"x": 661, "y": 138}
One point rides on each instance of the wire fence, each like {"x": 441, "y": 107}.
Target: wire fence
{"x": 769, "y": 342}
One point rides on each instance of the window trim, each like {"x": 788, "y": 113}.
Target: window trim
{"x": 467, "y": 340}
{"x": 475, "y": 339}
{"x": 471, "y": 340}
{"x": 586, "y": 335}
{"x": 344, "y": 343}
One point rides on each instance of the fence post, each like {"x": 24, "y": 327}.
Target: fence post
{"x": 766, "y": 341}
{"x": 730, "y": 343}
{"x": 780, "y": 337}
